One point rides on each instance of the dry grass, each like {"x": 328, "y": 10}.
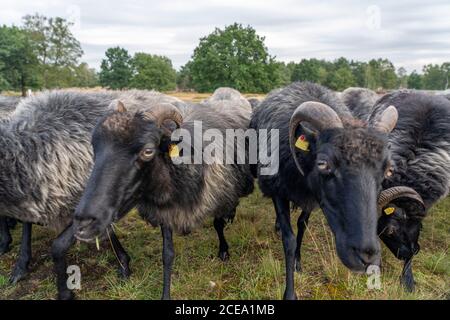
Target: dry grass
{"x": 255, "y": 270}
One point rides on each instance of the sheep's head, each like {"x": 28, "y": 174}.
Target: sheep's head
{"x": 402, "y": 210}
{"x": 344, "y": 167}
{"x": 126, "y": 145}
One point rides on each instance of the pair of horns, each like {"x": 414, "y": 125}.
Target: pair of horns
{"x": 391, "y": 194}
{"x": 321, "y": 117}
{"x": 159, "y": 113}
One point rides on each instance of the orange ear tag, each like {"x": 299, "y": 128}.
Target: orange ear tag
{"x": 174, "y": 152}
{"x": 389, "y": 211}
{"x": 302, "y": 143}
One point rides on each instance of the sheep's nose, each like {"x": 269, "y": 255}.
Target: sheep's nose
{"x": 369, "y": 255}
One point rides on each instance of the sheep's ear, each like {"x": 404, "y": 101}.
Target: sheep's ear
{"x": 120, "y": 107}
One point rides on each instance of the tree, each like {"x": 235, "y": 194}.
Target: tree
{"x": 415, "y": 80}
{"x": 184, "y": 78}
{"x": 432, "y": 77}
{"x": 402, "y": 76}
{"x": 234, "y": 57}
{"x": 116, "y": 69}
{"x": 310, "y": 70}
{"x": 18, "y": 60}
{"x": 341, "y": 79}
{"x": 153, "y": 72}
{"x": 57, "y": 49}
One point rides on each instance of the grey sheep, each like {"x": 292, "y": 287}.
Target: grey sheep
{"x": 136, "y": 165}
{"x": 360, "y": 101}
{"x": 46, "y": 158}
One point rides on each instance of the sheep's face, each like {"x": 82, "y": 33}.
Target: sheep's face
{"x": 125, "y": 146}
{"x": 400, "y": 231}
{"x": 344, "y": 169}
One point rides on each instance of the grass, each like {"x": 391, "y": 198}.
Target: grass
{"x": 254, "y": 271}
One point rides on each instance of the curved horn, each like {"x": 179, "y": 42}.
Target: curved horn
{"x": 387, "y": 121}
{"x": 319, "y": 115}
{"x": 164, "y": 111}
{"x": 388, "y": 195}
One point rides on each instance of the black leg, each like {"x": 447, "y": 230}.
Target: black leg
{"x": 5, "y": 236}
{"x": 287, "y": 235}
{"x": 60, "y": 247}
{"x": 11, "y": 223}
{"x": 302, "y": 222}
{"x": 168, "y": 255}
{"x": 407, "y": 278}
{"x": 121, "y": 255}
{"x": 21, "y": 268}
{"x": 219, "y": 225}
{"x": 277, "y": 226}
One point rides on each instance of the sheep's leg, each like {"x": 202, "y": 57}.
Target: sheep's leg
{"x": 121, "y": 255}
{"x": 277, "y": 226}
{"x": 21, "y": 268}
{"x": 302, "y": 222}
{"x": 60, "y": 247}
{"x": 168, "y": 256}
{"x": 407, "y": 278}
{"x": 288, "y": 237}
{"x": 11, "y": 223}
{"x": 219, "y": 225}
{"x": 5, "y": 236}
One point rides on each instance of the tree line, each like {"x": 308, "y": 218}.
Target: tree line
{"x": 43, "y": 53}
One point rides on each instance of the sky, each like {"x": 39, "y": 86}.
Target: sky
{"x": 409, "y": 33}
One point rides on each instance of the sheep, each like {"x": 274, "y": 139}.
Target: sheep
{"x": 328, "y": 159}
{"x": 360, "y": 101}
{"x": 7, "y": 106}
{"x": 46, "y": 158}
{"x": 136, "y": 165}
{"x": 420, "y": 148}
{"x": 254, "y": 102}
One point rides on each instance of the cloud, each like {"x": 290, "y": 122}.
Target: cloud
{"x": 410, "y": 33}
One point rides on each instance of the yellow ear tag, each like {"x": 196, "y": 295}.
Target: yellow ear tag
{"x": 389, "y": 211}
{"x": 302, "y": 143}
{"x": 174, "y": 152}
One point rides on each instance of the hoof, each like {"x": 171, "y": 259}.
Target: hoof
{"x": 224, "y": 256}
{"x": 66, "y": 295}
{"x": 17, "y": 275}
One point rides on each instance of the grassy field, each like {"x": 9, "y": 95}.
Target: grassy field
{"x": 254, "y": 271}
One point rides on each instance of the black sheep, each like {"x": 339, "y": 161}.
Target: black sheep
{"x": 327, "y": 159}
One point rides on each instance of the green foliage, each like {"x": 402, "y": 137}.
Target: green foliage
{"x": 414, "y": 80}
{"x": 184, "y": 79}
{"x": 153, "y": 72}
{"x": 57, "y": 50}
{"x": 18, "y": 62}
{"x": 436, "y": 77}
{"x": 116, "y": 69}
{"x": 234, "y": 57}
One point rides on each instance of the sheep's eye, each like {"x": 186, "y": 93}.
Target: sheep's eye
{"x": 147, "y": 154}
{"x": 323, "y": 165}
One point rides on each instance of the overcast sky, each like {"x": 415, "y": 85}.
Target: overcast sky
{"x": 409, "y": 33}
